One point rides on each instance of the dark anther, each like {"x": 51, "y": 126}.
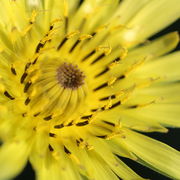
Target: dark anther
{"x": 66, "y": 150}
{"x": 82, "y": 123}
{"x": 39, "y": 46}
{"x": 116, "y": 60}
{"x": 35, "y": 60}
{"x": 50, "y": 148}
{"x": 109, "y": 123}
{"x": 48, "y": 118}
{"x": 121, "y": 77}
{"x": 27, "y": 101}
{"x": 89, "y": 55}
{"x": 34, "y": 128}
{"x": 62, "y": 43}
{"x": 101, "y": 86}
{"x": 103, "y": 136}
{"x": 86, "y": 117}
{"x": 108, "y": 97}
{"x": 98, "y": 58}
{"x": 51, "y": 27}
{"x": 75, "y": 44}
{"x": 77, "y": 142}
{"x": 115, "y": 105}
{"x": 27, "y": 66}
{"x": 13, "y": 70}
{"x": 26, "y": 87}
{"x": 37, "y": 114}
{"x": 70, "y": 124}
{"x": 23, "y": 77}
{"x": 24, "y": 114}
{"x": 102, "y": 72}
{"x": 8, "y": 95}
{"x": 66, "y": 24}
{"x": 133, "y": 106}
{"x": 59, "y": 126}
{"x": 52, "y": 134}
{"x": 93, "y": 34}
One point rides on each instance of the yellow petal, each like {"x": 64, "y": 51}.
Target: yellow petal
{"x": 54, "y": 169}
{"x": 160, "y": 156}
{"x": 156, "y": 47}
{"x": 121, "y": 169}
{"x": 13, "y": 158}
{"x": 133, "y": 7}
{"x": 166, "y": 68}
{"x": 165, "y": 114}
{"x": 149, "y": 21}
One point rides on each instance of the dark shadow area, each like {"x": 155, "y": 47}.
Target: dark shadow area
{"x": 27, "y": 174}
{"x": 171, "y": 138}
{"x": 143, "y": 171}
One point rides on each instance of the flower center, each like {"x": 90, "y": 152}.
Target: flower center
{"x": 70, "y": 76}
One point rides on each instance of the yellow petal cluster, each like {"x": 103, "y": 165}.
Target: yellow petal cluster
{"x": 80, "y": 81}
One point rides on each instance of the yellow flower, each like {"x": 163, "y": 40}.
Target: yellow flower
{"x": 78, "y": 79}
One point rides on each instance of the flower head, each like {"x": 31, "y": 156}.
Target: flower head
{"x": 78, "y": 79}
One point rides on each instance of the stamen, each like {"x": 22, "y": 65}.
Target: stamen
{"x": 23, "y": 77}
{"x": 89, "y": 55}
{"x": 13, "y": 70}
{"x": 27, "y": 66}
{"x": 27, "y": 101}
{"x": 70, "y": 124}
{"x": 66, "y": 23}
{"x": 24, "y": 114}
{"x": 103, "y": 136}
{"x": 27, "y": 86}
{"x": 66, "y": 150}
{"x": 48, "y": 118}
{"x": 69, "y": 76}
{"x": 62, "y": 43}
{"x": 37, "y": 114}
{"x": 101, "y": 86}
{"x": 98, "y": 58}
{"x": 59, "y": 126}
{"x": 75, "y": 44}
{"x": 121, "y": 77}
{"x": 108, "y": 97}
{"x": 115, "y": 105}
{"x": 87, "y": 117}
{"x": 50, "y": 148}
{"x": 77, "y": 142}
{"x": 52, "y": 135}
{"x": 39, "y": 46}
{"x": 8, "y": 95}
{"x": 109, "y": 123}
{"x": 83, "y": 123}
{"x": 102, "y": 72}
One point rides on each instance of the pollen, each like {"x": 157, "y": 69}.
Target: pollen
{"x": 70, "y": 76}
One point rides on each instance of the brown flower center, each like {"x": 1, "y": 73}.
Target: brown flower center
{"x": 70, "y": 76}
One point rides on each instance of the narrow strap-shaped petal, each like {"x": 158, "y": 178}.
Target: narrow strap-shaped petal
{"x": 148, "y": 20}
{"x": 163, "y": 158}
